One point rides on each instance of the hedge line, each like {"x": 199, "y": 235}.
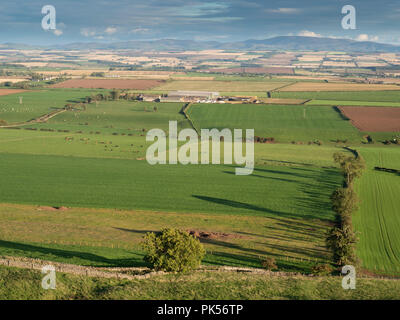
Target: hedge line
{"x": 342, "y": 238}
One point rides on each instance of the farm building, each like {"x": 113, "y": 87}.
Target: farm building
{"x": 199, "y": 95}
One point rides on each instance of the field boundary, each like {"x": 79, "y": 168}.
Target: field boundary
{"x": 40, "y": 119}
{"x": 139, "y": 273}
{"x": 184, "y": 111}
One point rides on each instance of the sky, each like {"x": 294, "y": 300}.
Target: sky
{"x": 224, "y": 21}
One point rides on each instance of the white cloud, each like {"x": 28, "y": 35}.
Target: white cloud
{"x": 110, "y": 30}
{"x": 140, "y": 30}
{"x": 284, "y": 10}
{"x": 306, "y": 33}
{"x": 366, "y": 37}
{"x": 86, "y": 32}
{"x": 58, "y": 32}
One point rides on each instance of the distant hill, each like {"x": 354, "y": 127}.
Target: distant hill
{"x": 311, "y": 43}
{"x": 276, "y": 43}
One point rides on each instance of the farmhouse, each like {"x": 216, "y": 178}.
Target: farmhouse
{"x": 191, "y": 96}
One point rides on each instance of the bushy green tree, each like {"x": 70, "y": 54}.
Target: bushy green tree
{"x": 342, "y": 241}
{"x": 173, "y": 250}
{"x": 344, "y": 203}
{"x": 352, "y": 167}
{"x": 115, "y": 94}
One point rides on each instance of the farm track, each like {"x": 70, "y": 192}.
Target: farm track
{"x": 40, "y": 119}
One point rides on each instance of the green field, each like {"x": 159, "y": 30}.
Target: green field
{"x": 92, "y": 161}
{"x": 37, "y": 103}
{"x": 352, "y": 103}
{"x": 284, "y": 123}
{"x": 119, "y": 116}
{"x": 133, "y": 184}
{"x": 378, "y": 219}
{"x": 111, "y": 237}
{"x": 368, "y": 96}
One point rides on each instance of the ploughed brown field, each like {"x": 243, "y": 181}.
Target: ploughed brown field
{"x": 6, "y": 92}
{"x": 373, "y": 119}
{"x": 274, "y": 70}
{"x": 108, "y": 84}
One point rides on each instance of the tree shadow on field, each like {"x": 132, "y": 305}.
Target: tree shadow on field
{"x": 254, "y": 208}
{"x": 229, "y": 259}
{"x": 241, "y": 205}
{"x": 135, "y": 231}
{"x": 62, "y": 255}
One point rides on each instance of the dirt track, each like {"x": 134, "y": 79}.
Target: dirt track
{"x": 373, "y": 119}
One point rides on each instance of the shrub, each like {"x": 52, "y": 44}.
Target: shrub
{"x": 173, "y": 250}
{"x": 269, "y": 263}
{"x": 322, "y": 269}
{"x": 342, "y": 241}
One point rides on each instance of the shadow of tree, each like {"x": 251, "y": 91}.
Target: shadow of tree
{"x": 63, "y": 255}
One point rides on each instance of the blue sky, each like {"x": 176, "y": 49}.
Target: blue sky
{"x": 120, "y": 20}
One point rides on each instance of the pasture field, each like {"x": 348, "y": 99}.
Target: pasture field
{"x": 353, "y": 103}
{"x": 111, "y": 237}
{"x": 22, "y": 284}
{"x": 367, "y": 96}
{"x": 314, "y": 86}
{"x": 134, "y": 184}
{"x": 134, "y": 147}
{"x": 117, "y": 116}
{"x": 36, "y": 103}
{"x": 378, "y": 219}
{"x": 285, "y": 123}
{"x": 226, "y": 86}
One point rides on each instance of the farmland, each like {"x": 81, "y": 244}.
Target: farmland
{"x": 352, "y": 103}
{"x": 373, "y": 119}
{"x": 231, "y": 86}
{"x": 77, "y": 188}
{"x": 367, "y": 96}
{"x": 108, "y": 84}
{"x": 311, "y": 86}
{"x": 377, "y": 219}
{"x": 285, "y": 123}
{"x": 36, "y": 103}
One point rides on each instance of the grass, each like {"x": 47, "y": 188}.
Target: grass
{"x": 120, "y": 116}
{"x": 25, "y": 284}
{"x": 128, "y": 184}
{"x": 366, "y": 96}
{"x": 282, "y": 210}
{"x": 353, "y": 103}
{"x": 36, "y": 103}
{"x": 110, "y": 237}
{"x": 285, "y": 123}
{"x": 377, "y": 219}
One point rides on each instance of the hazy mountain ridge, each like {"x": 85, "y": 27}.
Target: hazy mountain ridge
{"x": 276, "y": 43}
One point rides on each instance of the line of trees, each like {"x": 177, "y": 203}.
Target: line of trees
{"x": 112, "y": 96}
{"x": 342, "y": 238}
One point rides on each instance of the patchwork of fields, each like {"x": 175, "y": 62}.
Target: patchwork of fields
{"x": 232, "y": 86}
{"x": 92, "y": 161}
